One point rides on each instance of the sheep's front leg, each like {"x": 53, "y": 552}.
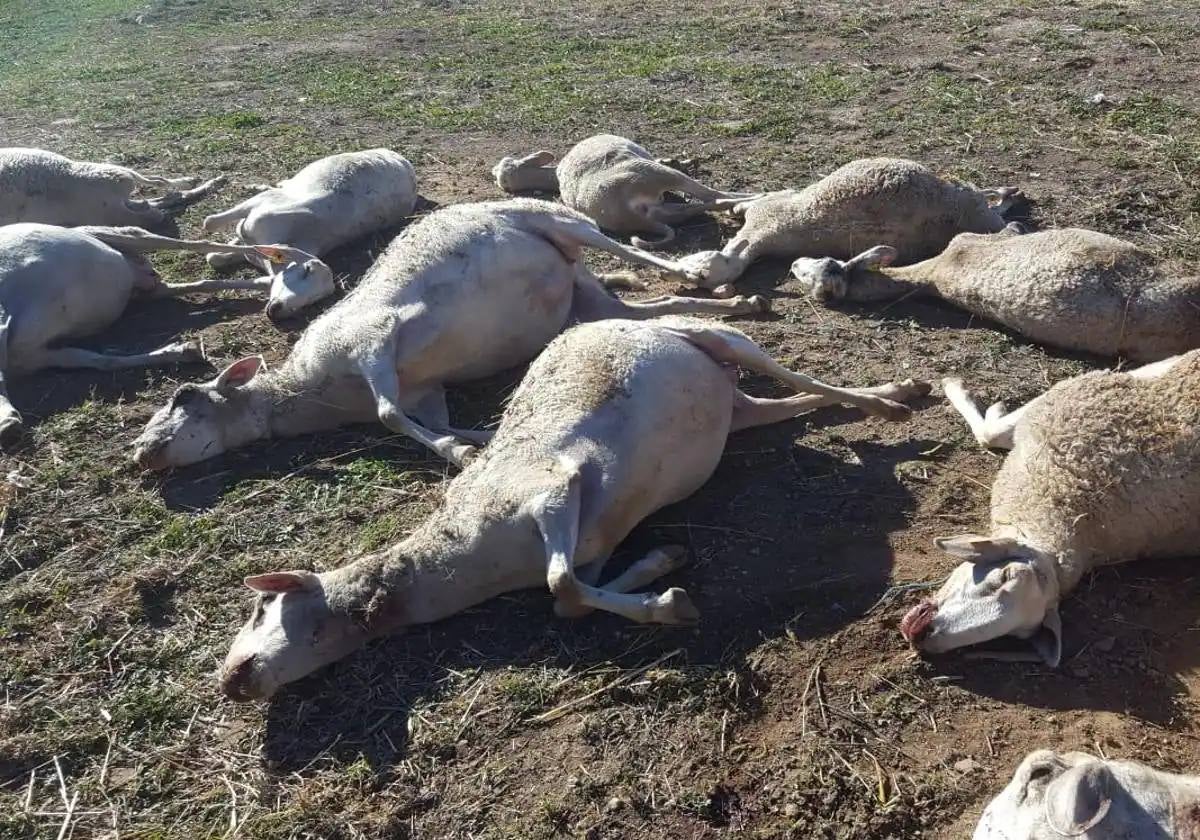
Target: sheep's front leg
{"x": 994, "y": 429}
{"x": 749, "y": 411}
{"x": 384, "y": 382}
{"x": 730, "y": 347}
{"x": 593, "y": 303}
{"x": 10, "y": 419}
{"x": 76, "y": 357}
{"x": 556, "y": 513}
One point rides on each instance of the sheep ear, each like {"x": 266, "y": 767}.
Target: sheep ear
{"x": 272, "y": 252}
{"x": 541, "y": 158}
{"x": 1079, "y": 799}
{"x": 878, "y": 257}
{"x": 277, "y": 583}
{"x": 238, "y": 373}
{"x": 1047, "y": 641}
{"x": 977, "y": 549}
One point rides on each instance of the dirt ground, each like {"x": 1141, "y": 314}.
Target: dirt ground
{"x": 794, "y": 708}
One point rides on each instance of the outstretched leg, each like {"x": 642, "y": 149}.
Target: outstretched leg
{"x": 658, "y": 563}
{"x": 431, "y": 411}
{"x": 157, "y": 181}
{"x": 10, "y": 419}
{"x": 994, "y": 429}
{"x": 178, "y": 200}
{"x": 728, "y": 346}
{"x": 749, "y": 411}
{"x": 226, "y": 220}
{"x": 556, "y": 514}
{"x": 572, "y": 234}
{"x": 177, "y": 289}
{"x": 1003, "y": 199}
{"x": 384, "y": 382}
{"x": 593, "y": 303}
{"x": 75, "y": 357}
{"x": 664, "y": 232}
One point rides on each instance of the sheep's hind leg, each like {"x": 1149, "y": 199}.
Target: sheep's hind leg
{"x": 994, "y": 429}
{"x": 556, "y": 514}
{"x": 10, "y": 420}
{"x": 658, "y": 563}
{"x": 431, "y": 411}
{"x": 178, "y": 200}
{"x": 75, "y": 357}
{"x": 594, "y": 303}
{"x": 749, "y": 411}
{"x": 727, "y": 346}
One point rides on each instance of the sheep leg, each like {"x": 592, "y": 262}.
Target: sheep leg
{"x": 158, "y": 181}
{"x": 729, "y": 347}
{"x": 135, "y": 240}
{"x": 683, "y": 183}
{"x": 1003, "y": 199}
{"x": 656, "y": 564}
{"x": 993, "y": 430}
{"x": 570, "y": 235}
{"x": 226, "y": 259}
{"x": 179, "y": 200}
{"x": 10, "y": 418}
{"x": 556, "y": 514}
{"x": 431, "y": 411}
{"x": 593, "y": 303}
{"x": 665, "y": 233}
{"x": 749, "y": 411}
{"x": 76, "y": 357}
{"x": 384, "y": 382}
{"x": 177, "y": 289}
{"x": 224, "y": 221}
{"x": 1155, "y": 369}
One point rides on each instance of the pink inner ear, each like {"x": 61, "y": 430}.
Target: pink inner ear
{"x": 241, "y": 371}
{"x": 277, "y": 582}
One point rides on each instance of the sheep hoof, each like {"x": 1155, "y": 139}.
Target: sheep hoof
{"x": 894, "y": 411}
{"x": 912, "y": 388}
{"x": 675, "y": 607}
{"x": 725, "y": 290}
{"x": 760, "y": 303}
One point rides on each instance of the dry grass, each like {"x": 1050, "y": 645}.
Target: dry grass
{"x": 793, "y": 709}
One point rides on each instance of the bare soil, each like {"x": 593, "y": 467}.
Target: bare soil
{"x": 793, "y": 709}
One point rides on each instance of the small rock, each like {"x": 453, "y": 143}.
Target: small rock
{"x": 791, "y": 810}
{"x": 1097, "y": 99}
{"x": 615, "y": 804}
{"x": 967, "y": 765}
{"x": 66, "y": 121}
{"x": 1106, "y": 644}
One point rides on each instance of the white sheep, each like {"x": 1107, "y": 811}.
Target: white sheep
{"x": 60, "y": 283}
{"x": 470, "y": 290}
{"x": 1104, "y": 468}
{"x": 613, "y": 421}
{"x": 864, "y": 202}
{"x": 1069, "y": 288}
{"x": 41, "y": 186}
{"x": 618, "y": 184}
{"x": 1054, "y": 795}
{"x": 328, "y": 203}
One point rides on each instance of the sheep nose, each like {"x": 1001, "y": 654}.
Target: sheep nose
{"x": 274, "y": 310}
{"x": 235, "y": 681}
{"x": 150, "y": 456}
{"x": 917, "y": 622}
